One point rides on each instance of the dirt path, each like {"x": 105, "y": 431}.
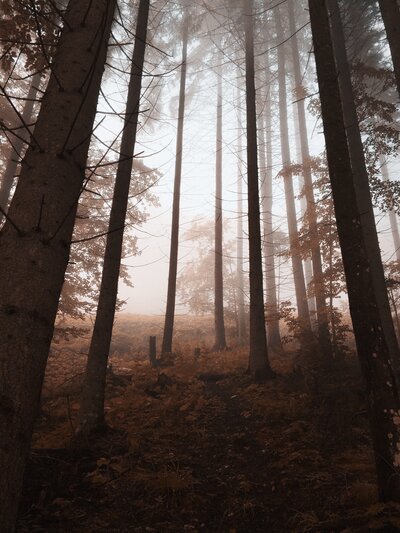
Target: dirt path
{"x": 204, "y": 453}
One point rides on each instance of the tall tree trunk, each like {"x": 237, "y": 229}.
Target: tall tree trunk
{"x": 220, "y": 340}
{"x": 392, "y": 214}
{"x": 318, "y": 276}
{"x": 10, "y": 171}
{"x": 35, "y": 240}
{"x": 91, "y": 414}
{"x": 390, "y": 11}
{"x": 381, "y": 387}
{"x": 242, "y": 334}
{"x": 297, "y": 264}
{"x": 361, "y": 182}
{"x": 258, "y": 359}
{"x": 308, "y": 271}
{"x": 272, "y": 313}
{"x": 173, "y": 256}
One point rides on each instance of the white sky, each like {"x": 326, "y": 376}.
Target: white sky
{"x": 149, "y": 271}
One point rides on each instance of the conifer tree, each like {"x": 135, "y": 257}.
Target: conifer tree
{"x": 91, "y": 414}
{"x": 258, "y": 359}
{"x": 383, "y": 402}
{"x": 35, "y": 240}
{"x": 173, "y": 257}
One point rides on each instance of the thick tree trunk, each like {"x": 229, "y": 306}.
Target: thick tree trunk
{"x": 381, "y": 387}
{"x": 272, "y": 313}
{"x": 297, "y": 264}
{"x": 220, "y": 340}
{"x": 35, "y": 241}
{"x": 242, "y": 333}
{"x": 390, "y": 11}
{"x": 318, "y": 276}
{"x": 392, "y": 214}
{"x": 91, "y": 414}
{"x": 173, "y": 256}
{"x": 10, "y": 171}
{"x": 258, "y": 360}
{"x": 361, "y": 182}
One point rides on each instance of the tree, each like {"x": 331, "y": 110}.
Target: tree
{"x": 311, "y": 215}
{"x": 258, "y": 358}
{"x": 80, "y": 292}
{"x": 173, "y": 257}
{"x": 272, "y": 313}
{"x": 381, "y": 387}
{"x": 35, "y": 241}
{"x": 390, "y": 11}
{"x": 9, "y": 175}
{"x": 241, "y": 320}
{"x": 297, "y": 265}
{"x": 361, "y": 183}
{"x": 195, "y": 283}
{"x": 91, "y": 414}
{"x": 220, "y": 340}
{"x": 392, "y": 214}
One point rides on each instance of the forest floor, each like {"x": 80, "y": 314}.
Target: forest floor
{"x": 196, "y": 447}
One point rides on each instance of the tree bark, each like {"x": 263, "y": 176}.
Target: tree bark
{"x": 18, "y": 146}
{"x": 272, "y": 313}
{"x": 220, "y": 340}
{"x": 35, "y": 240}
{"x": 91, "y": 414}
{"x": 297, "y": 264}
{"x": 173, "y": 257}
{"x": 361, "y": 183}
{"x": 381, "y": 388}
{"x": 258, "y": 358}
{"x": 311, "y": 213}
{"x": 390, "y": 11}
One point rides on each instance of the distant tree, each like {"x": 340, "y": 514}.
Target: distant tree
{"x": 241, "y": 319}
{"x": 271, "y": 300}
{"x": 35, "y": 240}
{"x": 392, "y": 214}
{"x": 195, "y": 283}
{"x": 310, "y": 214}
{"x": 297, "y": 265}
{"x": 173, "y": 257}
{"x": 220, "y": 340}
